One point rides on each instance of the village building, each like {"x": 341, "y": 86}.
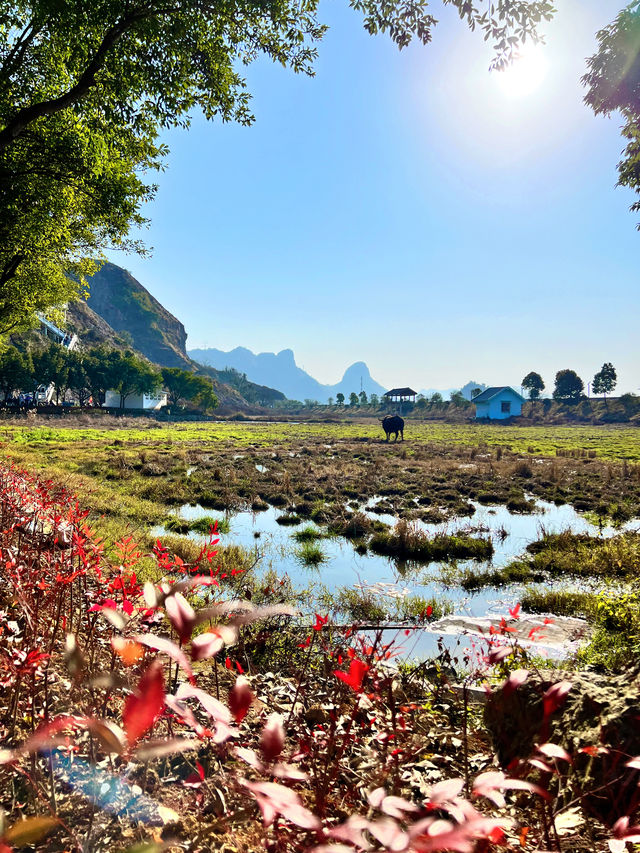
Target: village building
{"x": 152, "y": 401}
{"x": 498, "y": 403}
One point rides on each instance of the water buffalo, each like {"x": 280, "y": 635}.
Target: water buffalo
{"x": 395, "y": 424}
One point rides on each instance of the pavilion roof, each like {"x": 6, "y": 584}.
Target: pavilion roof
{"x": 400, "y": 392}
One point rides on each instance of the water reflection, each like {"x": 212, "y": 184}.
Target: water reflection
{"x": 510, "y": 533}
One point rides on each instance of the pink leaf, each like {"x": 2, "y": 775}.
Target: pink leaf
{"x": 143, "y": 707}
{"x": 397, "y": 806}
{"x": 161, "y": 747}
{"x": 541, "y": 765}
{"x": 276, "y": 799}
{"x": 283, "y": 770}
{"x": 552, "y": 750}
{"x": 322, "y": 848}
{"x": 515, "y": 680}
{"x": 622, "y": 830}
{"x": 498, "y": 654}
{"x": 352, "y": 830}
{"x": 493, "y": 782}
{"x": 376, "y": 797}
{"x": 181, "y": 615}
{"x": 445, "y": 791}
{"x": 250, "y": 756}
{"x": 209, "y": 644}
{"x": 163, "y": 644}
{"x": 389, "y": 833}
{"x": 212, "y": 706}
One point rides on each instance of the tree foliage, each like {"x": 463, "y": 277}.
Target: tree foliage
{"x": 16, "y": 371}
{"x": 130, "y": 374}
{"x": 569, "y": 387}
{"x": 605, "y": 380}
{"x": 86, "y": 88}
{"x": 184, "y": 386}
{"x": 613, "y": 84}
{"x": 533, "y": 384}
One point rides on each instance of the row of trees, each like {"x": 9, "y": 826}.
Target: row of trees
{"x": 360, "y": 399}
{"x": 569, "y": 386}
{"x": 88, "y": 375}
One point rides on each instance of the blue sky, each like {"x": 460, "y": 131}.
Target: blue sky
{"x": 403, "y": 209}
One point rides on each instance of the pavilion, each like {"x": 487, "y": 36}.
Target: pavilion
{"x": 400, "y": 395}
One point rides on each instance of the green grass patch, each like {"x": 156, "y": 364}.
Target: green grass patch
{"x": 307, "y": 534}
{"x": 561, "y": 602}
{"x": 408, "y": 542}
{"x": 310, "y": 554}
{"x": 202, "y": 525}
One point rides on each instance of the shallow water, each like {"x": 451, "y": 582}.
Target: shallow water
{"x": 510, "y": 533}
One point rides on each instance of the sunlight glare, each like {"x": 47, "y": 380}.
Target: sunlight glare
{"x": 525, "y": 74}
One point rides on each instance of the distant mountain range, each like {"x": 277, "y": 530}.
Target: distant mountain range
{"x": 121, "y": 313}
{"x": 279, "y": 370}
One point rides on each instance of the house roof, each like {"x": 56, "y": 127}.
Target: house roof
{"x": 400, "y": 392}
{"x": 490, "y": 393}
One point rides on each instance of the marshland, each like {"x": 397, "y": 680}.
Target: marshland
{"x": 463, "y": 519}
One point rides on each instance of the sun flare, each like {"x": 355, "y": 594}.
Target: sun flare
{"x": 525, "y": 74}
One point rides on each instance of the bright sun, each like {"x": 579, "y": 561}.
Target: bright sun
{"x": 525, "y": 74}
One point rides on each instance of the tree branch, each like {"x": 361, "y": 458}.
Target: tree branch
{"x": 28, "y": 115}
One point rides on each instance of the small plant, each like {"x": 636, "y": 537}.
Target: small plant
{"x": 308, "y": 534}
{"x": 288, "y": 520}
{"x": 310, "y": 554}
{"x": 409, "y": 542}
{"x": 415, "y": 608}
{"x": 203, "y": 525}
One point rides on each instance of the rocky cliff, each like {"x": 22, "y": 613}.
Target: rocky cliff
{"x": 135, "y": 315}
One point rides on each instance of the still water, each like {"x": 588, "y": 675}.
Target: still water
{"x": 510, "y": 532}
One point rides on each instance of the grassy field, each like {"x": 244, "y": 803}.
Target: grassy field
{"x": 137, "y": 473}
{"x": 605, "y": 442}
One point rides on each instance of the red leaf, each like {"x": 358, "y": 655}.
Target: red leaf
{"x": 555, "y": 697}
{"x": 515, "y": 680}
{"x": 320, "y": 622}
{"x": 272, "y": 738}
{"x": 240, "y": 699}
{"x": 354, "y": 678}
{"x": 194, "y": 780}
{"x": 144, "y": 707}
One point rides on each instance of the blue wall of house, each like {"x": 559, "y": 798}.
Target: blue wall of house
{"x": 493, "y": 408}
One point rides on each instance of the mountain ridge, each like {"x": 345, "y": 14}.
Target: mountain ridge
{"x": 280, "y": 370}
{"x": 120, "y": 312}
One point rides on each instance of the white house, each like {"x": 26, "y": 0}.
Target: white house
{"x": 498, "y": 403}
{"x": 152, "y": 401}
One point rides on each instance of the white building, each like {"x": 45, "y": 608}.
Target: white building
{"x": 154, "y": 400}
